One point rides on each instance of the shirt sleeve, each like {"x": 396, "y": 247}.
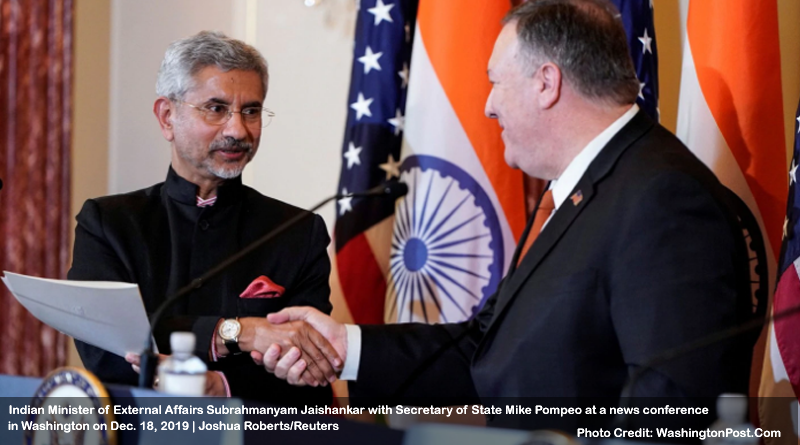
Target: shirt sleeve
{"x": 350, "y": 370}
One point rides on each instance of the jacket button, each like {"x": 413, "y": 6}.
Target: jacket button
{"x": 204, "y": 224}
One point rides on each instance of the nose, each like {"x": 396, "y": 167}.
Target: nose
{"x": 236, "y": 128}
{"x": 489, "y": 108}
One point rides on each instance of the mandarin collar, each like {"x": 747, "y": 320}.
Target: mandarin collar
{"x": 185, "y": 192}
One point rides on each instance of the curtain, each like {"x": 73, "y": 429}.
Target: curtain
{"x": 35, "y": 138}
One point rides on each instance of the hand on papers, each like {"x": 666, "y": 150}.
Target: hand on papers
{"x": 292, "y": 366}
{"x": 215, "y": 386}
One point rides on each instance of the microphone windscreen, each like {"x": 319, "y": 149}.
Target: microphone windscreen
{"x": 396, "y": 189}
{"x": 391, "y": 189}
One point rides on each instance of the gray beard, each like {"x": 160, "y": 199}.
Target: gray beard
{"x": 228, "y": 172}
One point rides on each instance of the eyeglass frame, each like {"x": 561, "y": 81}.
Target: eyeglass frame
{"x": 204, "y": 111}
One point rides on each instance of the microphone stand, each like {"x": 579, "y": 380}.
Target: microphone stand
{"x": 148, "y": 360}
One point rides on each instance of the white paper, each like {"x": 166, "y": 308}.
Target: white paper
{"x": 106, "y": 314}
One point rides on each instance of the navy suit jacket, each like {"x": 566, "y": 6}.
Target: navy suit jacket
{"x": 650, "y": 258}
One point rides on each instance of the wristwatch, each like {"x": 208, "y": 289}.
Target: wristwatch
{"x": 229, "y": 332}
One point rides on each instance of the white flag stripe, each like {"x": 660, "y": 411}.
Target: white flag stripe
{"x": 699, "y": 131}
{"x": 432, "y": 128}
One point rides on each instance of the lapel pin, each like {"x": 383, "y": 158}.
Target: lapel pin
{"x": 576, "y": 198}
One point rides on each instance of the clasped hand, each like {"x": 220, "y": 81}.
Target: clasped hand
{"x": 309, "y": 353}
{"x": 291, "y": 362}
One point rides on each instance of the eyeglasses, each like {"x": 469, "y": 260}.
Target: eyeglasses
{"x": 219, "y": 114}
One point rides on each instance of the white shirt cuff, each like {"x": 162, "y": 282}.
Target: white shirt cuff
{"x": 350, "y": 370}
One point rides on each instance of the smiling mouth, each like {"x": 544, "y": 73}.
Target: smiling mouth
{"x": 232, "y": 154}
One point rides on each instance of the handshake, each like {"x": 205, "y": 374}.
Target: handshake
{"x": 298, "y": 344}
{"x": 301, "y": 345}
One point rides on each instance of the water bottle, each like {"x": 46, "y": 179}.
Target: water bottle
{"x": 182, "y": 373}
{"x": 732, "y": 422}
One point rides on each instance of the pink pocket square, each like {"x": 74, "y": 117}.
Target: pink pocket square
{"x": 262, "y": 287}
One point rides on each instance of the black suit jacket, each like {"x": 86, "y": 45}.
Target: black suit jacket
{"x": 650, "y": 258}
{"x": 159, "y": 239}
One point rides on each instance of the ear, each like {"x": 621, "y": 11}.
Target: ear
{"x": 549, "y": 75}
{"x": 164, "y": 110}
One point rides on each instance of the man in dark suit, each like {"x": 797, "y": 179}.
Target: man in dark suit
{"x": 210, "y": 108}
{"x": 632, "y": 251}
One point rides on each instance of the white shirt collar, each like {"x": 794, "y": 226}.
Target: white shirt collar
{"x": 562, "y": 186}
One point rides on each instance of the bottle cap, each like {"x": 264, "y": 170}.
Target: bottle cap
{"x": 182, "y": 342}
{"x": 732, "y": 408}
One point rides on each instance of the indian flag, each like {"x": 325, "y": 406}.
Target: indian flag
{"x": 731, "y": 116}
{"x": 455, "y": 231}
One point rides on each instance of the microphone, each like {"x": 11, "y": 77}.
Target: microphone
{"x": 392, "y": 189}
{"x": 149, "y": 360}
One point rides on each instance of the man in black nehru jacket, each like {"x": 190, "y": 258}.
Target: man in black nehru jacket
{"x": 210, "y": 107}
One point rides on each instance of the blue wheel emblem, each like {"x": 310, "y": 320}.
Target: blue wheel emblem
{"x": 447, "y": 246}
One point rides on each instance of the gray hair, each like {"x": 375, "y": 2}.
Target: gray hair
{"x": 585, "y": 38}
{"x": 186, "y": 57}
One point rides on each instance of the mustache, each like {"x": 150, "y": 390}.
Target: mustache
{"x": 231, "y": 144}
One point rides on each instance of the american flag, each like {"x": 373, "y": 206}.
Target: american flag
{"x": 371, "y": 147}
{"x": 637, "y": 17}
{"x": 787, "y": 294}
{"x": 790, "y": 249}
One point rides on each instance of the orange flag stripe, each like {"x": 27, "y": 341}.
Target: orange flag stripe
{"x": 459, "y": 36}
{"x": 736, "y": 50}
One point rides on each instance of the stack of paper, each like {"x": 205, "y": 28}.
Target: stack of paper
{"x": 106, "y": 314}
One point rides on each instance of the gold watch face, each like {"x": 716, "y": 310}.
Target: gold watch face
{"x": 229, "y": 330}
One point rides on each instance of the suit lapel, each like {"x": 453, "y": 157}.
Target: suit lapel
{"x": 547, "y": 239}
{"x": 569, "y": 210}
